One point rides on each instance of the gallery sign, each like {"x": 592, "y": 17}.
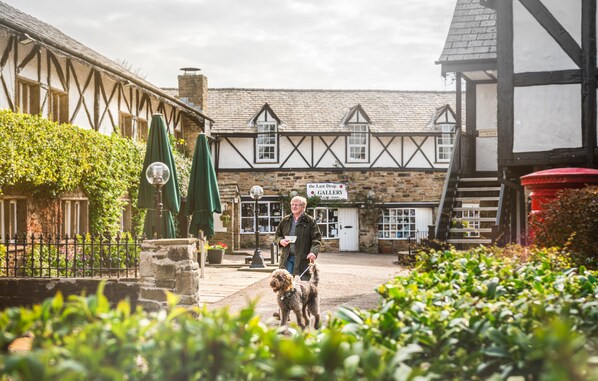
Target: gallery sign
{"x": 327, "y": 191}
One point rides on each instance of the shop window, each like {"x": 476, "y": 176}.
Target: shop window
{"x": 28, "y": 96}
{"x": 397, "y": 223}
{"x": 445, "y": 142}
{"x": 327, "y": 220}
{"x": 358, "y": 143}
{"x": 74, "y": 217}
{"x": 269, "y": 215}
{"x": 13, "y": 214}
{"x": 266, "y": 142}
{"x": 58, "y": 108}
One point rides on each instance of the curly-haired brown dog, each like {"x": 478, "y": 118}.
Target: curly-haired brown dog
{"x": 299, "y": 298}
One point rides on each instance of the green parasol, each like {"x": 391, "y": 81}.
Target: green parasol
{"x": 203, "y": 197}
{"x": 158, "y": 149}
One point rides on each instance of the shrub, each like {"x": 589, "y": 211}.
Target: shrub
{"x": 570, "y": 221}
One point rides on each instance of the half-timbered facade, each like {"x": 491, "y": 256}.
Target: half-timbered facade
{"x": 45, "y": 72}
{"x": 376, "y": 159}
{"x": 530, "y": 73}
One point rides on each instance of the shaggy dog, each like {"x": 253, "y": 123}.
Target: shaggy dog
{"x": 300, "y": 298}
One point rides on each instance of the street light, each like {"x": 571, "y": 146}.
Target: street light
{"x": 158, "y": 174}
{"x": 257, "y": 261}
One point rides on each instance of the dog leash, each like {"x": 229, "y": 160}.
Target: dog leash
{"x": 303, "y": 273}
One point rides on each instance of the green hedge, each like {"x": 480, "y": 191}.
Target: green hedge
{"x": 457, "y": 316}
{"x": 45, "y": 159}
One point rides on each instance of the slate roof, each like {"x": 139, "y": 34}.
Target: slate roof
{"x": 58, "y": 42}
{"x": 472, "y": 34}
{"x": 322, "y": 111}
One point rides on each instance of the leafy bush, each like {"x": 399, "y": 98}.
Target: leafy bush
{"x": 571, "y": 221}
{"x": 457, "y": 316}
{"x": 473, "y": 316}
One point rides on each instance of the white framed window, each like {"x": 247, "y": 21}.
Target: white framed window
{"x": 327, "y": 220}
{"x": 266, "y": 142}
{"x": 133, "y": 127}
{"x": 269, "y": 215}
{"x": 470, "y": 215}
{"x": 12, "y": 217}
{"x": 357, "y": 144}
{"x": 445, "y": 142}
{"x": 74, "y": 217}
{"x": 28, "y": 97}
{"x": 125, "y": 216}
{"x": 397, "y": 223}
{"x": 58, "y": 106}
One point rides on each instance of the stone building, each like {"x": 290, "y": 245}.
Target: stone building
{"x": 376, "y": 160}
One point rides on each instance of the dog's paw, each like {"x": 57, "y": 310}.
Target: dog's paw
{"x": 286, "y": 331}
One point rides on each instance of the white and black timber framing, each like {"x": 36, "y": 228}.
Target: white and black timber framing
{"x": 98, "y": 88}
{"x": 584, "y": 57}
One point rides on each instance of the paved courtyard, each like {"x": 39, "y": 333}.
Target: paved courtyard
{"x": 346, "y": 279}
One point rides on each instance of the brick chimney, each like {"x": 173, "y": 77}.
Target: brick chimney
{"x": 193, "y": 88}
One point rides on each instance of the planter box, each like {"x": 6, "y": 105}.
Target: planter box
{"x": 215, "y": 256}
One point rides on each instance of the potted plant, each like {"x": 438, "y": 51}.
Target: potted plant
{"x": 216, "y": 252}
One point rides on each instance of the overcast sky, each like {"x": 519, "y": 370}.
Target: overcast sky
{"x": 315, "y": 44}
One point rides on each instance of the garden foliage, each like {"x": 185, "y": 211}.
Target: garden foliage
{"x": 571, "y": 221}
{"x": 45, "y": 159}
{"x": 457, "y": 316}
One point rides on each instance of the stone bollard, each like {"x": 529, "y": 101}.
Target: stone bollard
{"x": 168, "y": 265}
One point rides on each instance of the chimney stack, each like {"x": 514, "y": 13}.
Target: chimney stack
{"x": 193, "y": 88}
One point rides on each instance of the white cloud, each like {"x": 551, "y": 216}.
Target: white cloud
{"x": 382, "y": 44}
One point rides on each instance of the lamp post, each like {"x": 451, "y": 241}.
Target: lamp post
{"x": 158, "y": 174}
{"x": 257, "y": 261}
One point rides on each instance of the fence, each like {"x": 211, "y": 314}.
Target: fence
{"x": 85, "y": 256}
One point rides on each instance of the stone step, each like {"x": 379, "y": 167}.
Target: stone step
{"x": 474, "y": 199}
{"x": 478, "y": 179}
{"x": 478, "y": 189}
{"x": 473, "y": 241}
{"x": 477, "y": 208}
{"x": 478, "y": 219}
{"x": 470, "y": 230}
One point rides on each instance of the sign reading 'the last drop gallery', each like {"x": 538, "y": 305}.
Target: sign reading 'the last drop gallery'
{"x": 327, "y": 191}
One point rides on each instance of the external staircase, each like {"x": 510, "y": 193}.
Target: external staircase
{"x": 474, "y": 212}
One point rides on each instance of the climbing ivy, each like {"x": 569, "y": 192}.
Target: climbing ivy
{"x": 43, "y": 159}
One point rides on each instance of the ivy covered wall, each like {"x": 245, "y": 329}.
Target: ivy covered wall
{"x": 42, "y": 160}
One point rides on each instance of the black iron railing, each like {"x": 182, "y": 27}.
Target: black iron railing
{"x": 82, "y": 256}
{"x": 449, "y": 192}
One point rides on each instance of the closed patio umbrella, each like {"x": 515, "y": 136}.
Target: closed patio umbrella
{"x": 158, "y": 149}
{"x": 203, "y": 197}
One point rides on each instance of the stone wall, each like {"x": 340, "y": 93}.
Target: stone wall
{"x": 168, "y": 265}
{"x": 30, "y": 291}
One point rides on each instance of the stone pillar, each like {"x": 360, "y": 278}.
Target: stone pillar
{"x": 168, "y": 265}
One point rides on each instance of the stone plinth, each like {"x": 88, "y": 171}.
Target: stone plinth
{"x": 168, "y": 265}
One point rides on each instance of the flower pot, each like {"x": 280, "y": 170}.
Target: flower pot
{"x": 215, "y": 256}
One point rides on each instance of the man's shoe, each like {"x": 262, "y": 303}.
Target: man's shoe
{"x": 276, "y": 315}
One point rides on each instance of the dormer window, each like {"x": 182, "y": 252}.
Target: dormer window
{"x": 266, "y": 142}
{"x": 266, "y": 138}
{"x": 444, "y": 121}
{"x": 358, "y": 143}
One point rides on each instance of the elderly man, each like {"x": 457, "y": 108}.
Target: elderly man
{"x": 299, "y": 236}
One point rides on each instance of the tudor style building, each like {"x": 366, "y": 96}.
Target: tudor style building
{"x": 43, "y": 71}
{"x": 530, "y": 72}
{"x": 377, "y": 159}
